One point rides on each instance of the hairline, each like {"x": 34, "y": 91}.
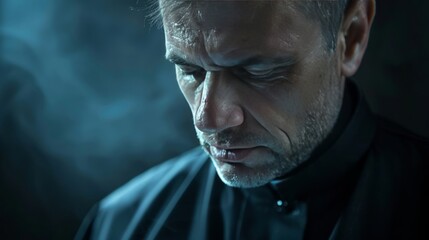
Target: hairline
{"x": 323, "y": 12}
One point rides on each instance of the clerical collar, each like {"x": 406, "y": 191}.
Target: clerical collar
{"x": 336, "y": 156}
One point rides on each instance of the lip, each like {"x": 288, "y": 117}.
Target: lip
{"x": 231, "y": 155}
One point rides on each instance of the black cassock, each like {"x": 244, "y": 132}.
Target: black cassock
{"x": 368, "y": 180}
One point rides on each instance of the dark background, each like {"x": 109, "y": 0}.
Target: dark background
{"x": 87, "y": 101}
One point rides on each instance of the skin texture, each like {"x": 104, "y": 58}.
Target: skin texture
{"x": 263, "y": 89}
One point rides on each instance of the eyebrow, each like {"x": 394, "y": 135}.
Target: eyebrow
{"x": 178, "y": 60}
{"x": 251, "y": 61}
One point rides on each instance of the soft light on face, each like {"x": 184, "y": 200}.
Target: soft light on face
{"x": 263, "y": 89}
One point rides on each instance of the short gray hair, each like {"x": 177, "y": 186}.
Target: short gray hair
{"x": 328, "y": 13}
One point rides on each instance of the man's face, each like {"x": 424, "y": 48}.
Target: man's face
{"x": 263, "y": 89}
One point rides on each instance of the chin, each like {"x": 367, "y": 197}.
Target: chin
{"x": 241, "y": 176}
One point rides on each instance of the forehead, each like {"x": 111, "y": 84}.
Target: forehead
{"x": 208, "y": 15}
{"x": 207, "y": 11}
{"x": 225, "y": 29}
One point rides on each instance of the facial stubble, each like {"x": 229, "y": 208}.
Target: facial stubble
{"x": 319, "y": 121}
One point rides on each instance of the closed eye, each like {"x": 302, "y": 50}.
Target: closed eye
{"x": 262, "y": 74}
{"x": 191, "y": 71}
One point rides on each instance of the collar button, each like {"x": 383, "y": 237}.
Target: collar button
{"x": 280, "y": 206}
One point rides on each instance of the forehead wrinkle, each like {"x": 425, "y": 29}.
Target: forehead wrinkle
{"x": 238, "y": 17}
{"x": 179, "y": 20}
{"x": 194, "y": 34}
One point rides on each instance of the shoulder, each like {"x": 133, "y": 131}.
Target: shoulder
{"x": 159, "y": 177}
{"x": 393, "y": 185}
{"x": 399, "y": 142}
{"x": 141, "y": 199}
{"x": 398, "y": 160}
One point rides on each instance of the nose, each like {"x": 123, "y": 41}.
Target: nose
{"x": 218, "y": 107}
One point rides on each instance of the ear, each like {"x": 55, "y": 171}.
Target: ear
{"x": 354, "y": 34}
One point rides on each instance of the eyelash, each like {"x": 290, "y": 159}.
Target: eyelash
{"x": 260, "y": 76}
{"x": 268, "y": 76}
{"x": 192, "y": 72}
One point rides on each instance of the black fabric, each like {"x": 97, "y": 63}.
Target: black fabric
{"x": 369, "y": 182}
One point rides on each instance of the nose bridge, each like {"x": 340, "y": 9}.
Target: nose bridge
{"x": 218, "y": 108}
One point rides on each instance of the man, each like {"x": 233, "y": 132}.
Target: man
{"x": 290, "y": 148}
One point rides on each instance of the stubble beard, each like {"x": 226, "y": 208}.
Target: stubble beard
{"x": 319, "y": 122}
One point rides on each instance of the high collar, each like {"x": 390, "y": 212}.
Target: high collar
{"x": 336, "y": 156}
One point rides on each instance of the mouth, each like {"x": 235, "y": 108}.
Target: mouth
{"x": 231, "y": 155}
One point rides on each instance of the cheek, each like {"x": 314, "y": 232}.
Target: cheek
{"x": 282, "y": 109}
{"x": 275, "y": 109}
{"x": 190, "y": 92}
{"x": 316, "y": 76}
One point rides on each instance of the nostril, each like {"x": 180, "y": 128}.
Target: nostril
{"x": 236, "y": 116}
{"x": 217, "y": 108}
{"x": 212, "y": 119}
{"x": 203, "y": 118}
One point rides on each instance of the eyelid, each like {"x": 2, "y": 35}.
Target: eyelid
{"x": 270, "y": 76}
{"x": 189, "y": 68}
{"x": 260, "y": 72}
{"x": 267, "y": 71}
